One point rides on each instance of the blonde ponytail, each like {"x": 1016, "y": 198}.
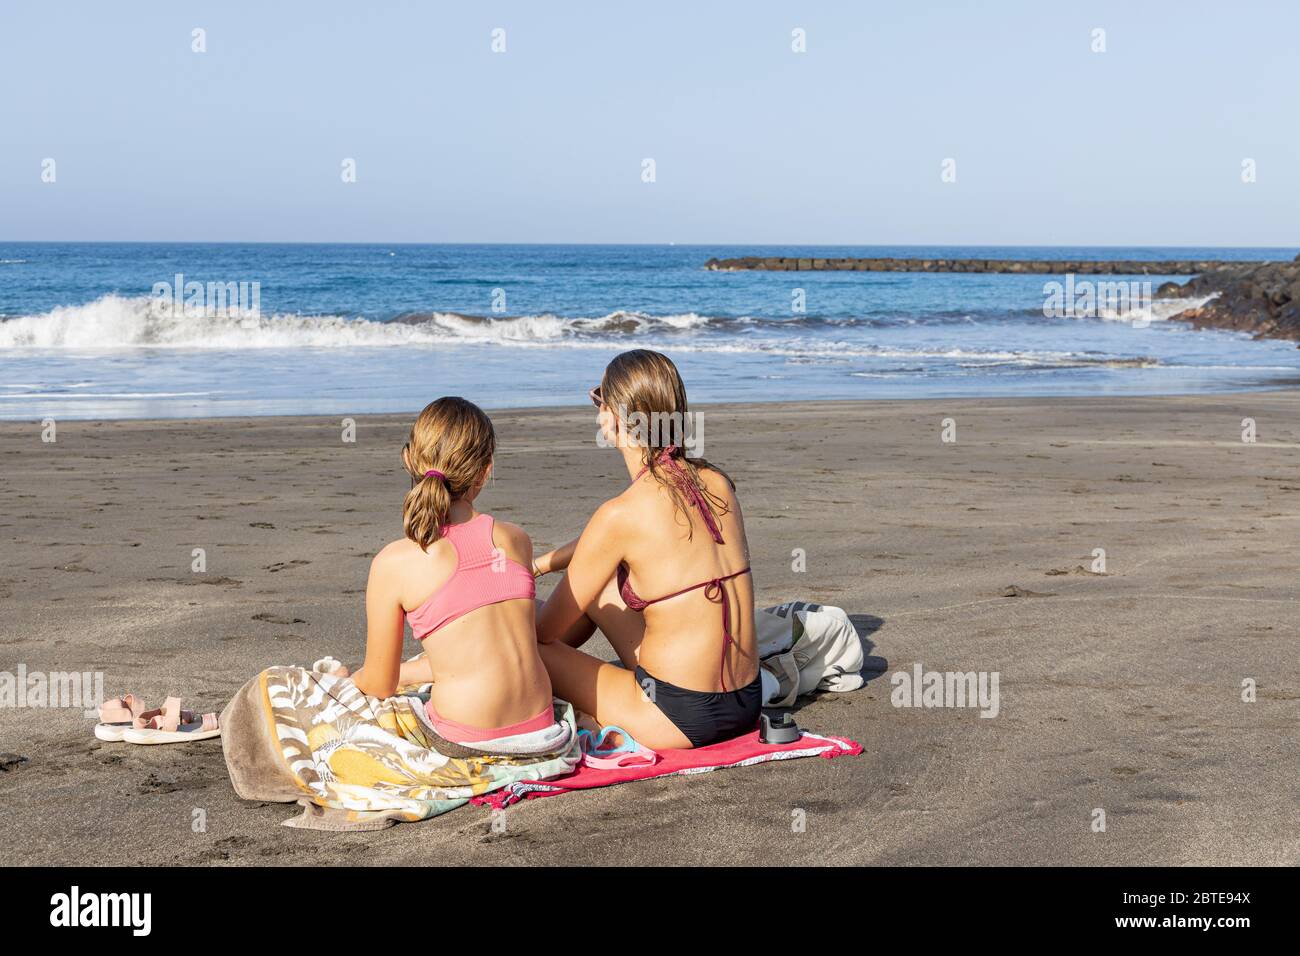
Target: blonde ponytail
{"x": 424, "y": 511}
{"x": 451, "y": 447}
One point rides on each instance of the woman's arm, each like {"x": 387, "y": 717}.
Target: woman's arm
{"x": 379, "y": 676}
{"x": 412, "y": 673}
{"x": 555, "y": 560}
{"x": 594, "y": 560}
{"x": 415, "y": 672}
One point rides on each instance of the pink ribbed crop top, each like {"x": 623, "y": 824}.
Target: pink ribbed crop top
{"x": 483, "y": 575}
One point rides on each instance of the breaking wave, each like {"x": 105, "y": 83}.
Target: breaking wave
{"x": 119, "y": 322}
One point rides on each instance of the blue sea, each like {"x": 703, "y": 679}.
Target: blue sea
{"x": 349, "y": 329}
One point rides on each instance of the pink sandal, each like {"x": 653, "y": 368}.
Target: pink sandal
{"x": 117, "y": 716}
{"x": 171, "y": 725}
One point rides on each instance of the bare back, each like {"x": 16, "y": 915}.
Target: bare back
{"x": 485, "y": 667}
{"x": 672, "y": 549}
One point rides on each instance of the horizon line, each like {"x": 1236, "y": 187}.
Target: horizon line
{"x": 656, "y": 245}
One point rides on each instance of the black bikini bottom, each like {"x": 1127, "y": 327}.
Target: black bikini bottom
{"x": 705, "y": 717}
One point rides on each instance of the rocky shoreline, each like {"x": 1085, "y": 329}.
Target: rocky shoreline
{"x": 1260, "y": 298}
{"x": 1166, "y": 267}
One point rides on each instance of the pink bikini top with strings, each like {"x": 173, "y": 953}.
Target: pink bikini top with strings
{"x": 713, "y": 589}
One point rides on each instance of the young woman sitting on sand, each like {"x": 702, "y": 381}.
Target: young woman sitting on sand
{"x": 675, "y": 536}
{"x": 463, "y": 582}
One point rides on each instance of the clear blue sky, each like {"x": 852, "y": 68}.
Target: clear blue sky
{"x": 1055, "y": 144}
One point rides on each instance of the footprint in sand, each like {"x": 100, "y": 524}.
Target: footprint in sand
{"x": 224, "y": 582}
{"x": 221, "y": 850}
{"x": 281, "y": 565}
{"x": 277, "y": 619}
{"x": 1012, "y": 590}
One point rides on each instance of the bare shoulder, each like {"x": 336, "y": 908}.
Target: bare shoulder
{"x": 396, "y": 551}
{"x": 511, "y": 533}
{"x": 394, "y": 555}
{"x": 717, "y": 480}
{"x": 619, "y": 510}
{"x": 513, "y": 540}
{"x": 392, "y": 567}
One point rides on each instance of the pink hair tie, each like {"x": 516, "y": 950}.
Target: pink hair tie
{"x": 435, "y": 473}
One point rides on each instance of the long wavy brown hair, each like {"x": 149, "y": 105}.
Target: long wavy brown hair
{"x": 646, "y": 382}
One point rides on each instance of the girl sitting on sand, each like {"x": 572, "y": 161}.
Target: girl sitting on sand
{"x": 690, "y": 674}
{"x": 462, "y": 581}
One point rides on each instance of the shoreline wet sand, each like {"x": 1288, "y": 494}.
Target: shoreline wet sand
{"x": 1119, "y": 691}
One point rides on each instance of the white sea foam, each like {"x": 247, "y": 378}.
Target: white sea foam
{"x": 1161, "y": 310}
{"x": 99, "y": 396}
{"x": 117, "y": 322}
{"x": 121, "y": 323}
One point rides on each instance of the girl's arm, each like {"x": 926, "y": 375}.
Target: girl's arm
{"x": 380, "y": 674}
{"x": 555, "y": 560}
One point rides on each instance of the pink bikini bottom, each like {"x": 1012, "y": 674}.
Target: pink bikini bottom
{"x": 465, "y": 734}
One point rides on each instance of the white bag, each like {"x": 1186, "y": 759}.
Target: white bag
{"x": 804, "y": 647}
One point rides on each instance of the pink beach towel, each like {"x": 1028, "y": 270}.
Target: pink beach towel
{"x": 740, "y": 752}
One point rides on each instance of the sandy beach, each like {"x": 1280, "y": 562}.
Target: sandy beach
{"x": 1120, "y": 691}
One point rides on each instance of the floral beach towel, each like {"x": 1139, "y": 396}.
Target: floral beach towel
{"x": 354, "y": 762}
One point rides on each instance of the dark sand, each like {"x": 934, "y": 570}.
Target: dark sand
{"x": 1120, "y": 692}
